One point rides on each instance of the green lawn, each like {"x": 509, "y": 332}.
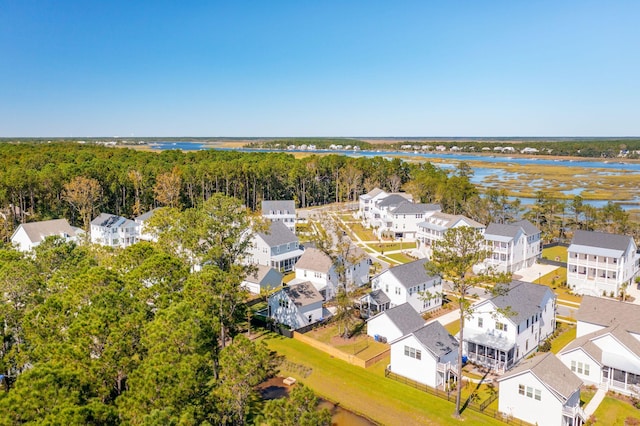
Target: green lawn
{"x": 288, "y": 277}
{"x": 453, "y": 327}
{"x": 384, "y": 247}
{"x": 363, "y": 233}
{"x": 362, "y": 346}
{"x": 586, "y": 395}
{"x": 614, "y": 412}
{"x": 554, "y": 279}
{"x": 399, "y": 257}
{"x": 563, "y": 338}
{"x": 367, "y": 391}
{"x": 557, "y": 253}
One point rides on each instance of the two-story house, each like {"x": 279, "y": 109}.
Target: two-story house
{"x": 280, "y": 210}
{"x": 542, "y": 391}
{"x": 144, "y": 233}
{"x": 278, "y": 248}
{"x": 395, "y": 322}
{"x": 318, "y": 268}
{"x": 434, "y": 227}
{"x": 601, "y": 264}
{"x": 606, "y": 351}
{"x": 505, "y": 328}
{"x": 264, "y": 278}
{"x": 113, "y": 231}
{"x": 29, "y": 235}
{"x": 410, "y": 283}
{"x": 296, "y": 306}
{"x": 402, "y": 221}
{"x": 514, "y": 246}
{"x": 365, "y": 204}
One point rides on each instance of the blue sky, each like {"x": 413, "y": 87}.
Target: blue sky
{"x": 319, "y": 68}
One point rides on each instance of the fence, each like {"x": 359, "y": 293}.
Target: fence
{"x": 451, "y": 397}
{"x": 337, "y": 353}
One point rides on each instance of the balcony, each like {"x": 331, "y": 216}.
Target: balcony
{"x": 574, "y": 412}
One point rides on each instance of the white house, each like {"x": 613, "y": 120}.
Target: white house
{"x": 403, "y": 220}
{"x": 542, "y": 391}
{"x": 506, "y": 328}
{"x": 410, "y": 283}
{"x": 318, "y": 268}
{"x": 113, "y": 231}
{"x": 278, "y": 248}
{"x": 606, "y": 351}
{"x": 280, "y": 210}
{"x": 426, "y": 355}
{"x": 394, "y": 322}
{"x": 434, "y": 227}
{"x": 143, "y": 232}
{"x": 296, "y": 306}
{"x": 514, "y": 246}
{"x": 375, "y": 209}
{"x": 264, "y": 278}
{"x": 600, "y": 264}
{"x": 373, "y": 303}
{"x": 31, "y": 234}
{"x": 365, "y": 202}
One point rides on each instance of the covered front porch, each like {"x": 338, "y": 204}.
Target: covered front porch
{"x": 620, "y": 380}
{"x": 490, "y": 351}
{"x": 373, "y": 303}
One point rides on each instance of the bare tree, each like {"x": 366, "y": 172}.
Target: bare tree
{"x": 167, "y": 188}
{"x": 83, "y": 194}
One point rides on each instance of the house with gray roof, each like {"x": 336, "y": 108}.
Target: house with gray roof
{"x": 144, "y": 233}
{"x": 282, "y": 211}
{"x": 434, "y": 227}
{"x": 394, "y": 322}
{"x": 410, "y": 283}
{"x": 264, "y": 278}
{"x": 508, "y": 327}
{"x": 296, "y": 305}
{"x": 425, "y": 355}
{"x": 113, "y": 231}
{"x": 606, "y": 351}
{"x": 543, "y": 391}
{"x": 276, "y": 247}
{"x": 373, "y": 303}
{"x": 318, "y": 268}
{"x": 513, "y": 246}
{"x": 29, "y": 235}
{"x": 601, "y": 264}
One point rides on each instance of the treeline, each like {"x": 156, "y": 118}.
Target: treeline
{"x": 320, "y": 143}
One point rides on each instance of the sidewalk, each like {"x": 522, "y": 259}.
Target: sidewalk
{"x": 593, "y": 405}
{"x": 446, "y": 318}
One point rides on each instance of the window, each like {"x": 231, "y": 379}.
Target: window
{"x": 412, "y": 352}
{"x": 573, "y": 366}
{"x": 501, "y": 326}
{"x": 521, "y": 389}
{"x": 386, "y": 288}
{"x": 397, "y": 290}
{"x": 480, "y": 322}
{"x": 529, "y": 392}
{"x": 538, "y": 394}
{"x": 586, "y": 369}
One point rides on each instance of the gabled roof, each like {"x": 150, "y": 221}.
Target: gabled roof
{"x": 375, "y": 191}
{"x": 278, "y": 234}
{"x": 443, "y": 221}
{"x": 379, "y": 297}
{"x": 435, "y": 338}
{"x": 260, "y": 274}
{"x": 38, "y": 231}
{"x": 523, "y": 299}
{"x": 600, "y": 240}
{"x": 107, "y": 220}
{"x": 410, "y": 274}
{"x": 145, "y": 216}
{"x": 314, "y": 260}
{"x": 407, "y": 207}
{"x": 392, "y": 200}
{"x": 556, "y": 376}
{"x": 607, "y": 312}
{"x": 403, "y": 316}
{"x": 303, "y": 294}
{"x": 511, "y": 230}
{"x": 284, "y": 206}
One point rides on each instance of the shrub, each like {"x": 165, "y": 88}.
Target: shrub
{"x": 545, "y": 346}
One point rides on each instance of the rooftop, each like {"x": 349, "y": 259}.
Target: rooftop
{"x": 404, "y": 316}
{"x": 436, "y": 339}
{"x": 607, "y": 312}
{"x": 38, "y": 231}
{"x": 523, "y": 299}
{"x": 601, "y": 240}
{"x": 314, "y": 260}
{"x": 303, "y": 294}
{"x": 278, "y": 234}
{"x": 410, "y": 274}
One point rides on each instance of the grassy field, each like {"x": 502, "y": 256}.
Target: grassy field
{"x": 384, "y": 247}
{"x": 401, "y": 258}
{"x": 554, "y": 279}
{"x": 557, "y": 253}
{"x": 453, "y": 327}
{"x": 367, "y": 392}
{"x": 614, "y": 412}
{"x": 362, "y": 345}
{"x": 363, "y": 233}
{"x": 567, "y": 335}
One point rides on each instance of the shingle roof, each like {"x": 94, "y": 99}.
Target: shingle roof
{"x": 373, "y": 192}
{"x": 606, "y": 312}
{"x": 601, "y": 239}
{"x": 303, "y": 294}
{"x": 411, "y": 274}
{"x": 523, "y": 299}
{"x": 511, "y": 230}
{"x": 436, "y": 339}
{"x": 392, "y": 200}
{"x": 107, "y": 220}
{"x": 550, "y": 371}
{"x": 288, "y": 206}
{"x": 442, "y": 221}
{"x": 278, "y": 234}
{"x": 145, "y": 216}
{"x": 38, "y": 231}
{"x": 314, "y": 260}
{"x": 379, "y": 297}
{"x": 404, "y": 317}
{"x": 408, "y": 207}
{"x": 260, "y": 273}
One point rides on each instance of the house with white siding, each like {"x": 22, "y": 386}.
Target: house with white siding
{"x": 427, "y": 355}
{"x": 513, "y": 246}
{"x": 601, "y": 264}
{"x": 277, "y": 248}
{"x": 606, "y": 351}
{"x": 394, "y": 323}
{"x": 113, "y": 231}
{"x": 434, "y": 227}
{"x": 264, "y": 278}
{"x": 506, "y": 328}
{"x": 410, "y": 283}
{"x": 402, "y": 221}
{"x": 280, "y": 210}
{"x": 29, "y": 235}
{"x": 144, "y": 233}
{"x": 296, "y": 306}
{"x": 542, "y": 391}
